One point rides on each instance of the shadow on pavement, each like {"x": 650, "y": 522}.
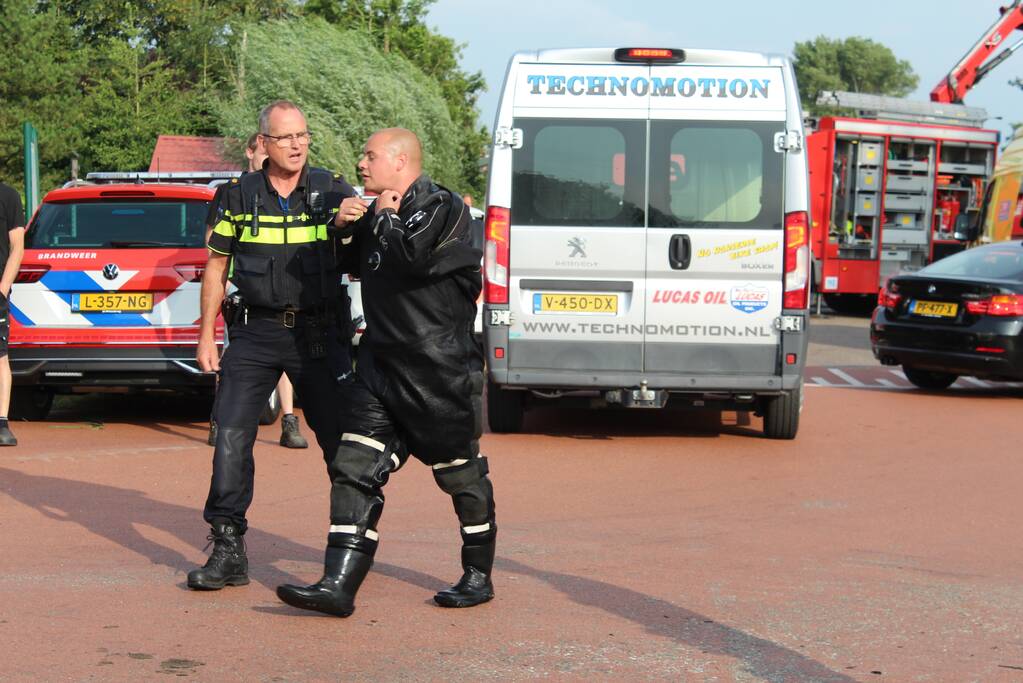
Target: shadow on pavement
{"x": 762, "y": 658}
{"x": 112, "y": 513}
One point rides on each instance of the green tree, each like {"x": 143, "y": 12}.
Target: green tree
{"x": 354, "y": 90}
{"x": 399, "y": 26}
{"x": 854, "y": 64}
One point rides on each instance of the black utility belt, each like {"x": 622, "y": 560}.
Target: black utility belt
{"x": 287, "y": 318}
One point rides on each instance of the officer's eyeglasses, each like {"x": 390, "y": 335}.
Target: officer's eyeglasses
{"x": 286, "y": 140}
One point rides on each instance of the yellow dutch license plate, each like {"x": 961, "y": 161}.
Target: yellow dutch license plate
{"x": 575, "y": 303}
{"x": 934, "y": 309}
{"x": 112, "y": 302}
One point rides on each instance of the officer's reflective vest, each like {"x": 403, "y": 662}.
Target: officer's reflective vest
{"x": 281, "y": 262}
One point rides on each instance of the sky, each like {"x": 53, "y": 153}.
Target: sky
{"x": 932, "y": 35}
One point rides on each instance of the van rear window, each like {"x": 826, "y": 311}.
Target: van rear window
{"x": 579, "y": 173}
{"x": 113, "y": 224}
{"x": 715, "y": 174}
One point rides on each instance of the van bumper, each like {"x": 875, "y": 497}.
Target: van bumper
{"x": 689, "y": 384}
{"x": 160, "y": 367}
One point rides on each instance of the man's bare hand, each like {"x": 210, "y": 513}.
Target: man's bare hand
{"x": 206, "y": 355}
{"x": 388, "y": 199}
{"x": 351, "y": 210}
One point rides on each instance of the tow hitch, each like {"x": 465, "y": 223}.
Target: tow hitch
{"x": 644, "y": 397}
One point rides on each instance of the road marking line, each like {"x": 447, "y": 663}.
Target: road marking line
{"x": 847, "y": 377}
{"x": 820, "y": 381}
{"x": 975, "y": 382}
{"x": 888, "y": 383}
{"x": 898, "y": 373}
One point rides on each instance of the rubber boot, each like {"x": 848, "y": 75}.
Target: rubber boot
{"x": 343, "y": 572}
{"x": 227, "y": 565}
{"x": 475, "y": 587}
{"x": 290, "y": 436}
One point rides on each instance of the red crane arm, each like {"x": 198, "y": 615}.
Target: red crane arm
{"x": 972, "y": 68}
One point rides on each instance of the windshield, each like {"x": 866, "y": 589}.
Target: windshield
{"x": 995, "y": 262}
{"x": 116, "y": 224}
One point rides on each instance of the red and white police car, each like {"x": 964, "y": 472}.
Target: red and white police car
{"x": 107, "y": 297}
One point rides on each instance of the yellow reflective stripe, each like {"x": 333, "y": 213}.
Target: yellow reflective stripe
{"x": 302, "y": 234}
{"x": 224, "y": 229}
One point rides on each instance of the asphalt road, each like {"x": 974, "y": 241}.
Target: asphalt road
{"x": 882, "y": 544}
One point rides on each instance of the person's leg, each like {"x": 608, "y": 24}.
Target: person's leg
{"x": 368, "y": 453}
{"x": 249, "y": 370}
{"x": 7, "y": 437}
{"x": 291, "y": 436}
{"x": 465, "y": 479}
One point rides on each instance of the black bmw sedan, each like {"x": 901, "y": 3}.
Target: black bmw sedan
{"x": 962, "y": 315}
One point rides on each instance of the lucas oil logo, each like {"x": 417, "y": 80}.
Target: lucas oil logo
{"x": 748, "y": 298}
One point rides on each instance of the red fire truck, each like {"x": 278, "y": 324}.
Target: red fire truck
{"x": 888, "y": 183}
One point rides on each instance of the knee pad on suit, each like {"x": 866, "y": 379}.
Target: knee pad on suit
{"x": 472, "y": 495}
{"x": 358, "y": 472}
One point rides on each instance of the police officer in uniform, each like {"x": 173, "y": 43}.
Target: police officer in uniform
{"x": 272, "y": 241}
{"x": 418, "y": 381}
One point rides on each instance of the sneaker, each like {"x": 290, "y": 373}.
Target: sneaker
{"x": 290, "y": 436}
{"x": 211, "y": 439}
{"x": 7, "y": 437}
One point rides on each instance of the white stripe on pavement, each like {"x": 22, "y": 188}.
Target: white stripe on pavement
{"x": 847, "y": 377}
{"x": 975, "y": 382}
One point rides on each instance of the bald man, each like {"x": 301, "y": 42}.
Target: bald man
{"x": 419, "y": 381}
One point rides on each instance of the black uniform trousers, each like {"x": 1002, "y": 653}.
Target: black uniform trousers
{"x": 260, "y": 350}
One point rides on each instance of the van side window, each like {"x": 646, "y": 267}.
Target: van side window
{"x": 717, "y": 175}
{"x": 572, "y": 172}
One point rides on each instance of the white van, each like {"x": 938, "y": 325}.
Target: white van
{"x": 647, "y": 234}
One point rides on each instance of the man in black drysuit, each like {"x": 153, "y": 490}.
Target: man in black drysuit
{"x": 271, "y": 239}
{"x": 418, "y": 382}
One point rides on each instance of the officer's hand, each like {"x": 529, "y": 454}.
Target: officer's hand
{"x": 388, "y": 199}
{"x": 351, "y": 210}
{"x": 206, "y": 355}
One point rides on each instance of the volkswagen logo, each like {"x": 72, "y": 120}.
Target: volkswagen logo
{"x": 111, "y": 271}
{"x": 931, "y": 289}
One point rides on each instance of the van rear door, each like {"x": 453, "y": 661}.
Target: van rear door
{"x": 714, "y": 246}
{"x": 578, "y": 256}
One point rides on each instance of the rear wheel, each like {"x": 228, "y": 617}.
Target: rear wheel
{"x": 272, "y": 409}
{"x": 929, "y": 379}
{"x": 781, "y": 414}
{"x": 505, "y": 409}
{"x": 30, "y": 403}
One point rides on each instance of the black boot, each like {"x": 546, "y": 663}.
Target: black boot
{"x": 475, "y": 587}
{"x": 227, "y": 566}
{"x": 343, "y": 572}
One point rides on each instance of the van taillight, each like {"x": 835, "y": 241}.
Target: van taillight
{"x": 797, "y": 261}
{"x": 31, "y": 273}
{"x": 495, "y": 256}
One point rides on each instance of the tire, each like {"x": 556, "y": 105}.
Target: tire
{"x": 272, "y": 409}
{"x": 929, "y": 379}
{"x": 505, "y": 409}
{"x": 781, "y": 414}
{"x": 30, "y": 403}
